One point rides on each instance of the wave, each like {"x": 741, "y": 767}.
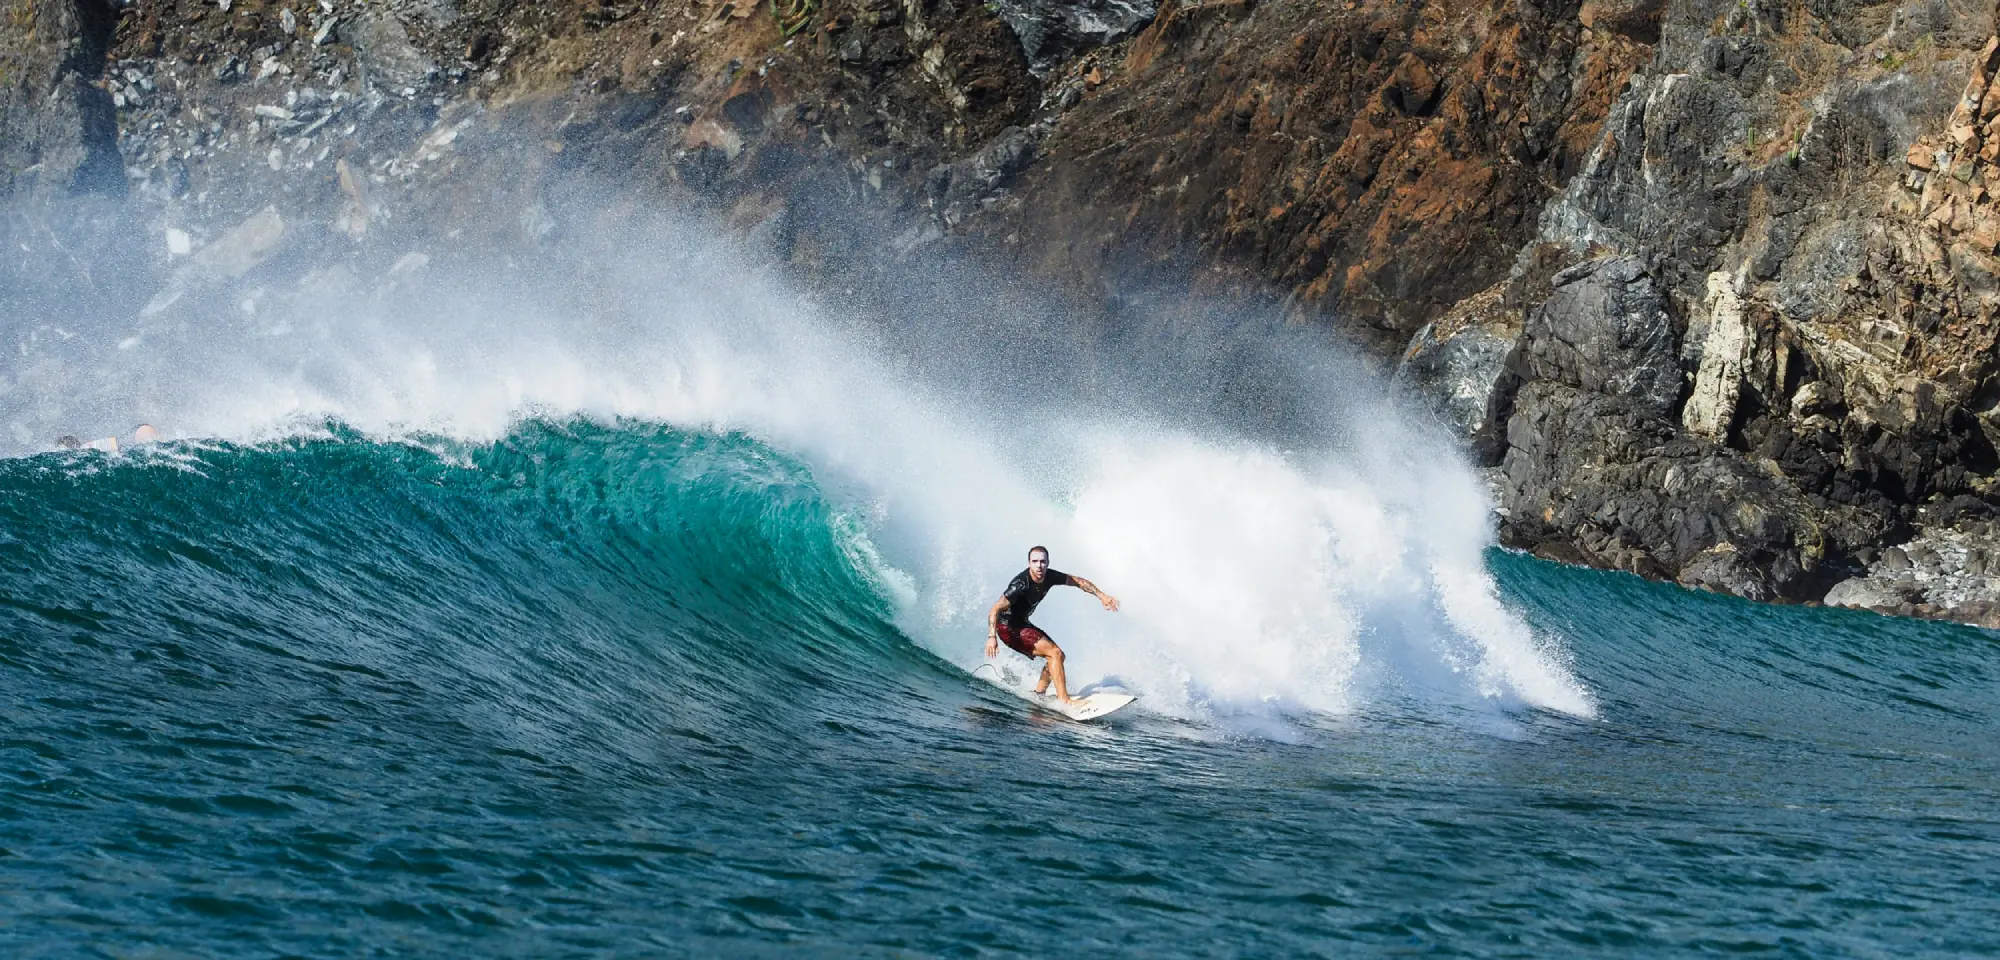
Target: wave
{"x": 1285, "y": 543}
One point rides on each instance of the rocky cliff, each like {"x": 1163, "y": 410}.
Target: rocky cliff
{"x": 1780, "y": 358}
{"x": 1710, "y": 286}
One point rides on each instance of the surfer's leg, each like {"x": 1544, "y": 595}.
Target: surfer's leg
{"x": 1053, "y": 670}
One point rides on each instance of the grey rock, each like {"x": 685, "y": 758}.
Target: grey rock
{"x": 388, "y": 58}
{"x": 235, "y": 253}
{"x": 1896, "y": 560}
{"x": 1867, "y": 593}
{"x": 1668, "y": 175}
{"x": 1724, "y": 569}
{"x": 1466, "y": 379}
{"x": 957, "y": 189}
{"x": 1605, "y": 329}
{"x": 1051, "y": 29}
{"x": 58, "y": 126}
{"x": 1595, "y": 474}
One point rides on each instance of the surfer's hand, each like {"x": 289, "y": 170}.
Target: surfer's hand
{"x": 1110, "y": 602}
{"x": 992, "y": 646}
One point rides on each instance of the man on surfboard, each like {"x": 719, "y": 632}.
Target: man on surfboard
{"x": 1008, "y": 620}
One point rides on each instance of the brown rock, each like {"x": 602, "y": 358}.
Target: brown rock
{"x": 1941, "y": 217}
{"x": 1921, "y": 156}
{"x": 1388, "y": 140}
{"x": 1984, "y": 234}
{"x": 1413, "y": 88}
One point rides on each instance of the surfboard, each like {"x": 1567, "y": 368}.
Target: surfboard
{"x": 1082, "y": 709}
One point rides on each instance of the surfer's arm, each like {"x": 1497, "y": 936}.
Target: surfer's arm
{"x": 993, "y": 627}
{"x": 1110, "y": 602}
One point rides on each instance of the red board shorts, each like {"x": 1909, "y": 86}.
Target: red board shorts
{"x": 1022, "y": 638}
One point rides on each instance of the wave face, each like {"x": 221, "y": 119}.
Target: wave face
{"x": 630, "y": 613}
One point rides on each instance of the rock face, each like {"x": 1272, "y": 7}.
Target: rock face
{"x": 1714, "y": 284}
{"x": 1052, "y": 29}
{"x": 58, "y": 130}
{"x": 1378, "y": 163}
{"x": 1809, "y": 198}
{"x": 957, "y": 189}
{"x": 1605, "y": 330}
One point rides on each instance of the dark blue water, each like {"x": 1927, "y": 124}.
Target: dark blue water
{"x": 623, "y": 691}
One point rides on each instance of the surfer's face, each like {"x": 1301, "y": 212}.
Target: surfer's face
{"x": 1038, "y": 565}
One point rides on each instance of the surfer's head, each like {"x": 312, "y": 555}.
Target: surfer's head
{"x": 1038, "y": 561}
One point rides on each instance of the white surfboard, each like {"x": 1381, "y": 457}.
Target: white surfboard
{"x": 1080, "y": 709}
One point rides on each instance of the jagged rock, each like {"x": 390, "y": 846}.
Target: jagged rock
{"x": 355, "y": 211}
{"x": 58, "y": 127}
{"x": 1605, "y": 329}
{"x": 1461, "y": 368}
{"x": 1578, "y": 462}
{"x": 1724, "y": 569}
{"x": 956, "y": 189}
{"x": 1711, "y": 408}
{"x": 1675, "y": 141}
{"x": 388, "y": 58}
{"x": 243, "y": 247}
{"x": 1378, "y": 167}
{"x": 236, "y": 252}
{"x": 1051, "y": 29}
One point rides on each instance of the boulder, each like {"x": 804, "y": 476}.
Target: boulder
{"x": 1725, "y": 569}
{"x": 1625, "y": 489}
{"x": 1869, "y": 593}
{"x": 1461, "y": 369}
{"x": 1605, "y": 330}
{"x": 388, "y": 58}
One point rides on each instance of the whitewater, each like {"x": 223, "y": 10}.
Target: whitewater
{"x": 621, "y": 602}
{"x": 1270, "y": 569}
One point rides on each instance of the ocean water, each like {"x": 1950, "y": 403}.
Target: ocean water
{"x": 633, "y": 615}
{"x": 635, "y": 690}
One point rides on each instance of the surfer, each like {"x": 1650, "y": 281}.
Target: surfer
{"x": 1008, "y": 620}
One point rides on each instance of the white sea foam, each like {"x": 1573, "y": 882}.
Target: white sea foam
{"x": 1261, "y": 577}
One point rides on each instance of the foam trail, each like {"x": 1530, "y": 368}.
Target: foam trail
{"x": 1259, "y": 578}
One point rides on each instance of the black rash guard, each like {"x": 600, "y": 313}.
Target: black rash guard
{"x": 1024, "y": 595}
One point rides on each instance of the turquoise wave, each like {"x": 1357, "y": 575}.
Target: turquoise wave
{"x": 596, "y": 578}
